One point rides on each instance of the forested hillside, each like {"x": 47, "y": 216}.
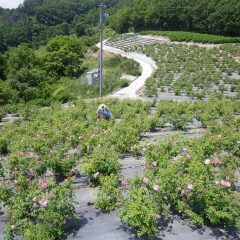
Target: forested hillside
{"x": 36, "y": 21}
{"x": 207, "y": 16}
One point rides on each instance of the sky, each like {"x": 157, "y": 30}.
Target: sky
{"x": 10, "y": 3}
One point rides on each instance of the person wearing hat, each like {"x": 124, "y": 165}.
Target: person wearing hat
{"x": 103, "y": 112}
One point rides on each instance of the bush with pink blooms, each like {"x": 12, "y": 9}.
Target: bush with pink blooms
{"x": 102, "y": 162}
{"x": 38, "y": 209}
{"x": 109, "y": 193}
{"x": 201, "y": 187}
{"x": 53, "y": 142}
{"x": 194, "y": 177}
{"x": 140, "y": 210}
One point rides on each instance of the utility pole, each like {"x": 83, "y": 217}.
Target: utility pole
{"x": 101, "y": 7}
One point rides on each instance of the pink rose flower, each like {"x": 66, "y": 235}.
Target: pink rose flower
{"x": 158, "y": 216}
{"x": 45, "y": 202}
{"x": 184, "y": 149}
{"x": 220, "y": 137}
{"x": 207, "y": 161}
{"x": 154, "y": 163}
{"x": 190, "y": 186}
{"x": 40, "y": 181}
{"x": 216, "y": 161}
{"x": 145, "y": 180}
{"x": 44, "y": 185}
{"x": 35, "y": 199}
{"x": 124, "y": 183}
{"x": 156, "y": 187}
{"x": 95, "y": 175}
{"x": 225, "y": 184}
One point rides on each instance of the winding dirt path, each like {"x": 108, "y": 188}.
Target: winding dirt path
{"x": 148, "y": 67}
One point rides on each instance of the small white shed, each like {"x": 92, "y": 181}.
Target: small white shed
{"x": 92, "y": 76}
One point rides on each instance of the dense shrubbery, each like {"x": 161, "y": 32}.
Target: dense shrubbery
{"x": 37, "y": 208}
{"x": 33, "y": 75}
{"x": 102, "y": 162}
{"x": 193, "y": 37}
{"x": 35, "y": 22}
{"x": 64, "y": 56}
{"x": 109, "y": 193}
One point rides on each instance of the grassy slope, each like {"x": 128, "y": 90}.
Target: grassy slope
{"x": 114, "y": 68}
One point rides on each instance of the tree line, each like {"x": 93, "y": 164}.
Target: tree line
{"x": 220, "y": 17}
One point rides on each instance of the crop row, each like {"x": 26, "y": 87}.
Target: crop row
{"x": 192, "y": 70}
{"x": 180, "y": 173}
{"x": 194, "y": 178}
{"x": 193, "y": 37}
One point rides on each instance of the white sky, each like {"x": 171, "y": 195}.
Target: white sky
{"x": 10, "y": 3}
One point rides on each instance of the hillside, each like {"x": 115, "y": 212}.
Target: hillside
{"x": 36, "y": 21}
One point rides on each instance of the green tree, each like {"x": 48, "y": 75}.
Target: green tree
{"x": 26, "y": 81}
{"x": 120, "y": 22}
{"x": 64, "y": 56}
{"x": 20, "y": 57}
{"x": 7, "y": 94}
{"x": 2, "y": 66}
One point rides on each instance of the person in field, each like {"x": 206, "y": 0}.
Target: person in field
{"x": 103, "y": 112}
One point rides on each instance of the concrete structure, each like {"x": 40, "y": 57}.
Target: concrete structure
{"x": 92, "y": 76}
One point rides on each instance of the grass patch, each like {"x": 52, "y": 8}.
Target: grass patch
{"x": 114, "y": 68}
